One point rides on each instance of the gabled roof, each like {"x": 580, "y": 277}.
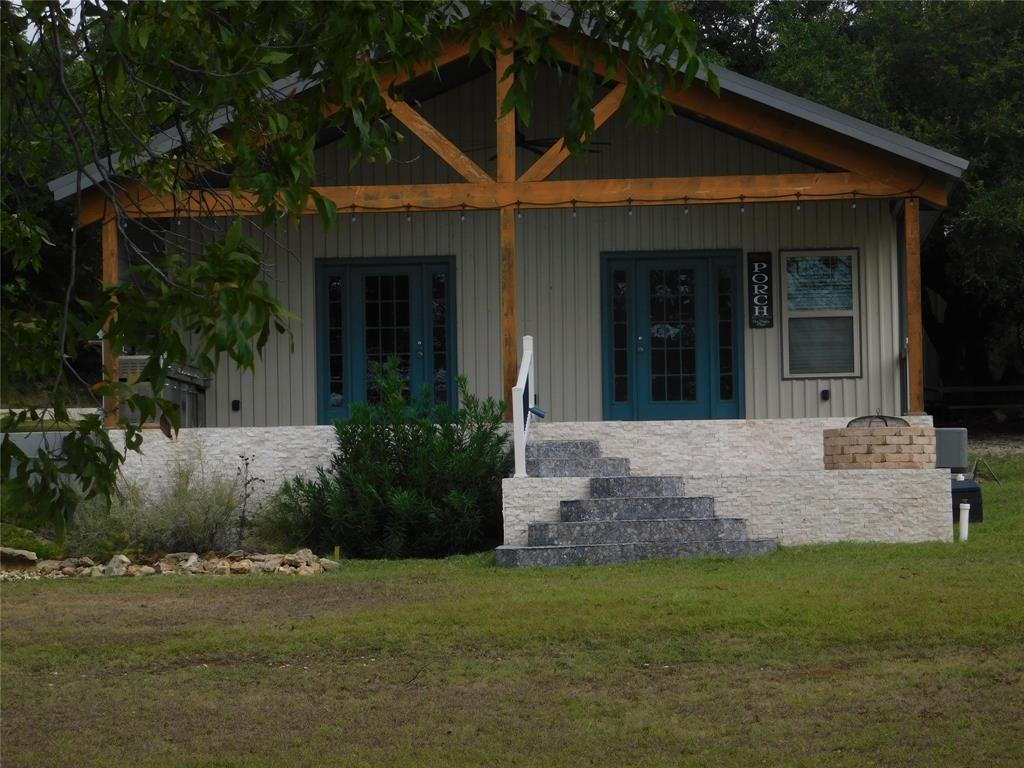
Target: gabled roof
{"x": 888, "y": 141}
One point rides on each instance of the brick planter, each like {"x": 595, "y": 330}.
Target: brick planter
{"x": 880, "y": 448}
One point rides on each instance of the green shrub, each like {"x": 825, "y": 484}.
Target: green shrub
{"x": 196, "y": 512}
{"x": 16, "y": 537}
{"x": 406, "y": 480}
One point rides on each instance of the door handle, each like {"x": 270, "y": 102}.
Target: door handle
{"x": 640, "y": 344}
{"x": 419, "y": 350}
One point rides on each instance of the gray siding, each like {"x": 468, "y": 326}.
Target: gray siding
{"x": 559, "y": 267}
{"x": 560, "y": 297}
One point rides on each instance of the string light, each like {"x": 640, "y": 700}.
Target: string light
{"x": 629, "y": 202}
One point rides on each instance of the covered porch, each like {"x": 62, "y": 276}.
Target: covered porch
{"x": 522, "y": 244}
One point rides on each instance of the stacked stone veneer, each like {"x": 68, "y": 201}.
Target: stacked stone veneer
{"x": 880, "y": 448}
{"x": 768, "y": 472}
{"x": 277, "y": 454}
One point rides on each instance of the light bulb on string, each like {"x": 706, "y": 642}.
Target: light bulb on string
{"x": 408, "y": 214}
{"x": 686, "y": 206}
{"x": 353, "y": 217}
{"x": 798, "y": 201}
{"x": 629, "y": 210}
{"x": 574, "y": 209}
{"x": 462, "y": 213}
{"x": 853, "y": 205}
{"x": 743, "y": 207}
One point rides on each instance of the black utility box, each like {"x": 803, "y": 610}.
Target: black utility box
{"x": 967, "y": 492}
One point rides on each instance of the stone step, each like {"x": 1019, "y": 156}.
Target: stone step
{"x": 593, "y": 467}
{"x": 636, "y": 531}
{"x": 601, "y": 554}
{"x": 607, "y": 487}
{"x": 563, "y": 449}
{"x": 637, "y": 508}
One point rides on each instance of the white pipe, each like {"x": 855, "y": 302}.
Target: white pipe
{"x": 965, "y": 520}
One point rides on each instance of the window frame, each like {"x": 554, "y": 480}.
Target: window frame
{"x": 853, "y": 312}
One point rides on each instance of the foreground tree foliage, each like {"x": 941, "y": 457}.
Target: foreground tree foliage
{"x": 106, "y": 93}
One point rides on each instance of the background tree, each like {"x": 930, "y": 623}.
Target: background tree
{"x": 948, "y": 74}
{"x": 101, "y": 91}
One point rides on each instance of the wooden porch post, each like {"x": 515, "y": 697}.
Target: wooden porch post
{"x": 912, "y": 279}
{"x": 506, "y": 146}
{"x": 111, "y": 360}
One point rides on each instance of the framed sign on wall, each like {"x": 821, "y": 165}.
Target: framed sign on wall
{"x": 760, "y": 306}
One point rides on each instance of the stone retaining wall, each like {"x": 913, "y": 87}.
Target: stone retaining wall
{"x": 768, "y": 472}
{"x": 278, "y": 454}
{"x": 880, "y": 448}
{"x": 728, "y": 446}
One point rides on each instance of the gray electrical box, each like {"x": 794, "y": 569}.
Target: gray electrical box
{"x": 951, "y": 449}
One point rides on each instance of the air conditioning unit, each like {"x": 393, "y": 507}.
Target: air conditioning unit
{"x": 186, "y": 387}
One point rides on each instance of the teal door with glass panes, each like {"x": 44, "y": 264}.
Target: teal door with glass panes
{"x": 672, "y": 335}
{"x": 372, "y": 312}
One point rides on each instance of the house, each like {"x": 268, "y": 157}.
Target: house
{"x": 755, "y": 257}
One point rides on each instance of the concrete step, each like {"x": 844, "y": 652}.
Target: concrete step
{"x": 583, "y": 467}
{"x": 563, "y": 449}
{"x": 600, "y": 554}
{"x": 637, "y": 508}
{"x": 636, "y": 531}
{"x": 607, "y": 487}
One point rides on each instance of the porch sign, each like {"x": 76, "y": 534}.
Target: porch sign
{"x": 760, "y": 309}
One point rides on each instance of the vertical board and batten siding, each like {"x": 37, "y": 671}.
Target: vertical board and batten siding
{"x": 559, "y": 279}
{"x": 560, "y": 290}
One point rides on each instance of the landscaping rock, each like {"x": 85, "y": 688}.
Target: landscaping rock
{"x": 303, "y": 563}
{"x": 118, "y": 566}
{"x": 17, "y": 559}
{"x": 77, "y": 562}
{"x": 181, "y": 559}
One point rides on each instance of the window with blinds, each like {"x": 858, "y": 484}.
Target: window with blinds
{"x": 820, "y": 313}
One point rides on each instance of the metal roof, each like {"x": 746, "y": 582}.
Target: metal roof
{"x": 732, "y": 82}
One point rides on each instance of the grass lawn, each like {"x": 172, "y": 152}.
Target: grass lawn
{"x": 845, "y": 655}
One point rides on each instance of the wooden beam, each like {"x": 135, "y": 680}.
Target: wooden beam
{"x": 559, "y": 153}
{"x": 437, "y": 141}
{"x": 783, "y": 130}
{"x": 912, "y": 280}
{"x": 505, "y": 125}
{"x": 587, "y": 193}
{"x": 111, "y": 277}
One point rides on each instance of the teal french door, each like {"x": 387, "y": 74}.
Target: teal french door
{"x": 371, "y": 312}
{"x": 672, "y": 336}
